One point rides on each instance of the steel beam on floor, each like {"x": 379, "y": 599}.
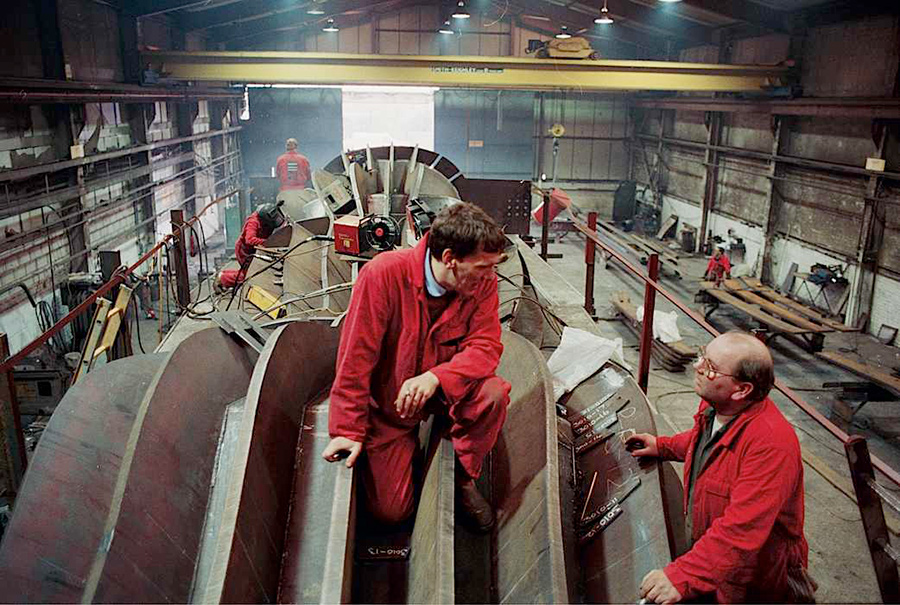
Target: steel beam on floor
{"x": 468, "y": 72}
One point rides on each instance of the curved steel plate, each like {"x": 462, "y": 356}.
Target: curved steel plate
{"x": 62, "y": 506}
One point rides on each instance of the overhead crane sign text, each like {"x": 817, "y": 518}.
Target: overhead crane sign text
{"x": 466, "y": 70}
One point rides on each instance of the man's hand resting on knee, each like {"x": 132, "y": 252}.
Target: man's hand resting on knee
{"x": 341, "y": 447}
{"x": 414, "y": 393}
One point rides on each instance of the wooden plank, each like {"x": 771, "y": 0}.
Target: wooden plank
{"x": 631, "y": 241}
{"x": 800, "y": 322}
{"x": 93, "y": 339}
{"x": 760, "y": 288}
{"x": 114, "y": 320}
{"x": 750, "y": 310}
{"x": 866, "y": 371}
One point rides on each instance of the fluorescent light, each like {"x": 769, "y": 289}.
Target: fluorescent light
{"x": 315, "y": 11}
{"x": 670, "y": 1}
{"x": 445, "y": 28}
{"x": 330, "y": 27}
{"x": 563, "y": 33}
{"x": 461, "y": 12}
{"x": 604, "y": 18}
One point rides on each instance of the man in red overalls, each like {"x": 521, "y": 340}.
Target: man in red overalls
{"x": 422, "y": 335}
{"x": 743, "y": 487}
{"x": 292, "y": 168}
{"x": 719, "y": 267}
{"x": 257, "y": 229}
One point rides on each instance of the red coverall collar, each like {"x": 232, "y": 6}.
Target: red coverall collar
{"x": 734, "y": 429}
{"x": 418, "y": 262}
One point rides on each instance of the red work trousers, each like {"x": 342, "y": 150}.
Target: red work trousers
{"x": 387, "y": 468}
{"x": 229, "y": 278}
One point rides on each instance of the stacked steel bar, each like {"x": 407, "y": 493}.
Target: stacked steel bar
{"x": 672, "y": 356}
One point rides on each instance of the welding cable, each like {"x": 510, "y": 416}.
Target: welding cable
{"x": 304, "y": 297}
{"x": 544, "y": 310}
{"x": 137, "y": 321}
{"x": 187, "y": 309}
{"x": 278, "y": 259}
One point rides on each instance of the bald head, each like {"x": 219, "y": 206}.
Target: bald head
{"x": 748, "y": 360}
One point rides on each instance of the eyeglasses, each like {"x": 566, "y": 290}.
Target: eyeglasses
{"x": 703, "y": 365}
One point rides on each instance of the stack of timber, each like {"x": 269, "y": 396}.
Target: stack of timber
{"x": 778, "y": 313}
{"x": 673, "y": 356}
{"x": 641, "y": 247}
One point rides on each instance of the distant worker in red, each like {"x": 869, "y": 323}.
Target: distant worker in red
{"x": 719, "y": 267}
{"x": 257, "y": 229}
{"x": 422, "y": 336}
{"x": 743, "y": 487}
{"x": 292, "y": 168}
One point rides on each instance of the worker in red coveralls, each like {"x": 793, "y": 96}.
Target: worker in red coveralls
{"x": 719, "y": 267}
{"x": 422, "y": 335}
{"x": 292, "y": 168}
{"x": 743, "y": 487}
{"x": 257, "y": 229}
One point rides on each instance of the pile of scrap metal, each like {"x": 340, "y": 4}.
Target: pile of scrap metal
{"x": 673, "y": 356}
{"x": 193, "y": 474}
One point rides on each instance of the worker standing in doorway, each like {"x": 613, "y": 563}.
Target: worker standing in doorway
{"x": 292, "y": 168}
{"x": 719, "y": 267}
{"x": 422, "y": 336}
{"x": 743, "y": 487}
{"x": 257, "y": 229}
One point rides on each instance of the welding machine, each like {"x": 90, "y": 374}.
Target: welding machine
{"x": 357, "y": 236}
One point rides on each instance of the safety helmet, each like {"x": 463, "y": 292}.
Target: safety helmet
{"x": 270, "y": 216}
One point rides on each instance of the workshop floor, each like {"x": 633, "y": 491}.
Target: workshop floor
{"x": 839, "y": 558}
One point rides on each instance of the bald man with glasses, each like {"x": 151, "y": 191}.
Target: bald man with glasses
{"x": 743, "y": 487}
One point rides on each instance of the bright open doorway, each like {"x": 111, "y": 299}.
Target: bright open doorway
{"x": 377, "y": 116}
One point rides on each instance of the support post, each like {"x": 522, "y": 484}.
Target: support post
{"x": 183, "y": 288}
{"x": 766, "y": 274}
{"x": 110, "y": 260}
{"x": 872, "y": 514}
{"x": 545, "y": 225}
{"x": 711, "y": 159}
{"x": 13, "y": 458}
{"x": 589, "y": 261}
{"x": 647, "y": 325}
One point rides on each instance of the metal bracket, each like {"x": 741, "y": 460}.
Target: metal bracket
{"x": 239, "y": 327}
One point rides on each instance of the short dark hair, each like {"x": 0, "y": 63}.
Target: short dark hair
{"x": 465, "y": 229}
{"x": 758, "y": 371}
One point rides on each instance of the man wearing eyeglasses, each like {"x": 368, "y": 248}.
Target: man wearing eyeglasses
{"x": 743, "y": 479}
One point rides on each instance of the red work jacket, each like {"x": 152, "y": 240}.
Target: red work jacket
{"x": 748, "y": 508}
{"x": 252, "y": 235}
{"x": 292, "y": 169}
{"x": 718, "y": 267}
{"x": 386, "y": 339}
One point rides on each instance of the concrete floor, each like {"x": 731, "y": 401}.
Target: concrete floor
{"x": 839, "y": 558}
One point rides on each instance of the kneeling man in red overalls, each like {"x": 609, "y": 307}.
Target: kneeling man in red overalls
{"x": 421, "y": 336}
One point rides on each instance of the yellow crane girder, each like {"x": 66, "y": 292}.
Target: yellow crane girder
{"x": 273, "y": 67}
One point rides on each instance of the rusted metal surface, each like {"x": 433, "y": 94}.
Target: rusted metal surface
{"x": 507, "y": 202}
{"x": 65, "y": 498}
{"x": 530, "y": 565}
{"x": 589, "y": 261}
{"x": 13, "y": 457}
{"x": 647, "y": 323}
{"x": 616, "y": 558}
{"x": 263, "y": 512}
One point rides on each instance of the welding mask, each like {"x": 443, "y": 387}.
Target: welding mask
{"x": 270, "y": 216}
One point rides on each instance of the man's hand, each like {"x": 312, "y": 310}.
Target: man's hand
{"x": 341, "y": 447}
{"x": 657, "y": 588}
{"x": 414, "y": 393}
{"x": 642, "y": 444}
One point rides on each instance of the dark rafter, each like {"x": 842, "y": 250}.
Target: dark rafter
{"x": 298, "y": 20}
{"x": 632, "y": 16}
{"x": 143, "y": 8}
{"x": 239, "y": 12}
{"x": 738, "y": 10}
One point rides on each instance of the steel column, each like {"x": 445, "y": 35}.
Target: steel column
{"x": 182, "y": 282}
{"x": 711, "y": 176}
{"x": 545, "y": 225}
{"x": 872, "y": 515}
{"x": 771, "y": 204}
{"x": 647, "y": 325}
{"x": 13, "y": 458}
{"x": 589, "y": 261}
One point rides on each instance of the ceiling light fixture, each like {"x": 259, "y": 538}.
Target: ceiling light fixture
{"x": 461, "y": 12}
{"x": 331, "y": 27}
{"x": 670, "y": 1}
{"x": 604, "y": 18}
{"x": 563, "y": 33}
{"x": 315, "y": 11}
{"x": 446, "y": 29}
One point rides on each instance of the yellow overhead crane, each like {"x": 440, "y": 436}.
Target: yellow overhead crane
{"x": 275, "y": 67}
